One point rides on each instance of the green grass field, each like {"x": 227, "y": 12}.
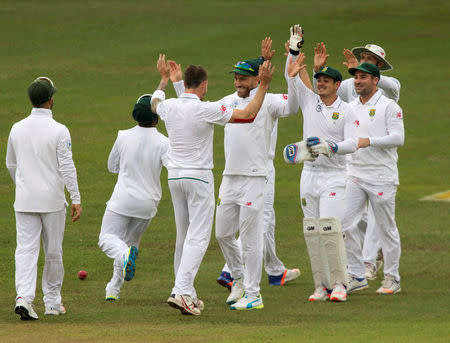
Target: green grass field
{"x": 102, "y": 56}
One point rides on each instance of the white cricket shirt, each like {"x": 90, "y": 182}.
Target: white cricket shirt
{"x": 137, "y": 156}
{"x": 380, "y": 119}
{"x": 247, "y": 146}
{"x": 389, "y": 86}
{"x": 335, "y": 123}
{"x": 39, "y": 158}
{"x": 190, "y": 126}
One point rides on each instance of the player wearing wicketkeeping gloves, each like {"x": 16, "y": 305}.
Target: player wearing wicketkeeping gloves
{"x": 390, "y": 87}
{"x": 190, "y": 125}
{"x": 39, "y": 159}
{"x": 373, "y": 176}
{"x": 328, "y": 130}
{"x": 137, "y": 156}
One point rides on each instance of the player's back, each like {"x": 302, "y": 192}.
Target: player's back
{"x": 35, "y": 139}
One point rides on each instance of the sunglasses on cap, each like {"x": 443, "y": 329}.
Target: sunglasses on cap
{"x": 244, "y": 66}
{"x": 45, "y": 78}
{"x": 144, "y": 96}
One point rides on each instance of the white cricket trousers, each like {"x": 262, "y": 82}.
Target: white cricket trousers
{"x": 240, "y": 209}
{"x": 30, "y": 228}
{"x": 272, "y": 264}
{"x": 382, "y": 200}
{"x": 371, "y": 239}
{"x": 192, "y": 194}
{"x": 322, "y": 195}
{"x": 117, "y": 234}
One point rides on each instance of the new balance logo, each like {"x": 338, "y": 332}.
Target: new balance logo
{"x": 326, "y": 228}
{"x": 310, "y": 228}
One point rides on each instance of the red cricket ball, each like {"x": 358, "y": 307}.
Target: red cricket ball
{"x": 82, "y": 274}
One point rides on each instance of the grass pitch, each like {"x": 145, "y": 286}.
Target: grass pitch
{"x": 102, "y": 56}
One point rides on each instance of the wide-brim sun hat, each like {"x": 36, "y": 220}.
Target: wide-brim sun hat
{"x": 375, "y": 50}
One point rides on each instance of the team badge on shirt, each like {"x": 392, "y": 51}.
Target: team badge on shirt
{"x": 372, "y": 112}
{"x": 335, "y": 115}
{"x": 304, "y": 201}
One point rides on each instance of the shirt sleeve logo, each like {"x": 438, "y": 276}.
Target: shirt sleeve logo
{"x": 223, "y": 108}
{"x": 399, "y": 115}
{"x": 356, "y": 122}
{"x": 69, "y": 145}
{"x": 285, "y": 97}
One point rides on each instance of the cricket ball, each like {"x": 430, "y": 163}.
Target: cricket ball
{"x": 82, "y": 274}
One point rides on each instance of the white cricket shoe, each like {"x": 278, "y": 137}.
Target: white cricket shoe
{"x": 339, "y": 293}
{"x": 183, "y": 303}
{"x": 355, "y": 284}
{"x": 55, "y": 311}
{"x": 237, "y": 291}
{"x": 371, "y": 271}
{"x": 389, "y": 285}
{"x": 111, "y": 296}
{"x": 199, "y": 304}
{"x": 320, "y": 294}
{"x": 248, "y": 302}
{"x": 25, "y": 310}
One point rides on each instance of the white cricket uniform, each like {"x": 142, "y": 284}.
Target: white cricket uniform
{"x": 190, "y": 126}
{"x": 390, "y": 87}
{"x": 322, "y": 183}
{"x": 241, "y": 194}
{"x": 373, "y": 175}
{"x": 137, "y": 156}
{"x": 39, "y": 159}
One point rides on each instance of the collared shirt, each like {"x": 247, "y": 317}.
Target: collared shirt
{"x": 389, "y": 86}
{"x": 137, "y": 156}
{"x": 190, "y": 126}
{"x": 334, "y": 123}
{"x": 248, "y": 146}
{"x": 380, "y": 119}
{"x": 39, "y": 157}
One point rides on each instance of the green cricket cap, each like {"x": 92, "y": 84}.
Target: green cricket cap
{"x": 331, "y": 72}
{"x": 142, "y": 111}
{"x": 366, "y": 68}
{"x": 248, "y": 67}
{"x": 40, "y": 91}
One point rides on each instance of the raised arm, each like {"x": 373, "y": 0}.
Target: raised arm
{"x": 164, "y": 71}
{"x": 248, "y": 114}
{"x": 176, "y": 76}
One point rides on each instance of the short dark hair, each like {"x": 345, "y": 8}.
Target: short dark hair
{"x": 194, "y": 76}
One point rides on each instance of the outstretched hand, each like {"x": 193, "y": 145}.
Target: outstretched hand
{"x": 266, "y": 71}
{"x": 175, "y": 71}
{"x": 294, "y": 67}
{"x": 163, "y": 68}
{"x": 352, "y": 61}
{"x": 320, "y": 56}
{"x": 266, "y": 49}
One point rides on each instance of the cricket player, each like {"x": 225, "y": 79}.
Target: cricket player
{"x": 373, "y": 176}
{"x": 137, "y": 156}
{"x": 328, "y": 128}
{"x": 190, "y": 125}
{"x": 39, "y": 160}
{"x": 390, "y": 87}
{"x": 277, "y": 273}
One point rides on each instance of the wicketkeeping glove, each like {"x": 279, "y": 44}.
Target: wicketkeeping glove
{"x": 320, "y": 146}
{"x": 297, "y": 153}
{"x": 296, "y": 40}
